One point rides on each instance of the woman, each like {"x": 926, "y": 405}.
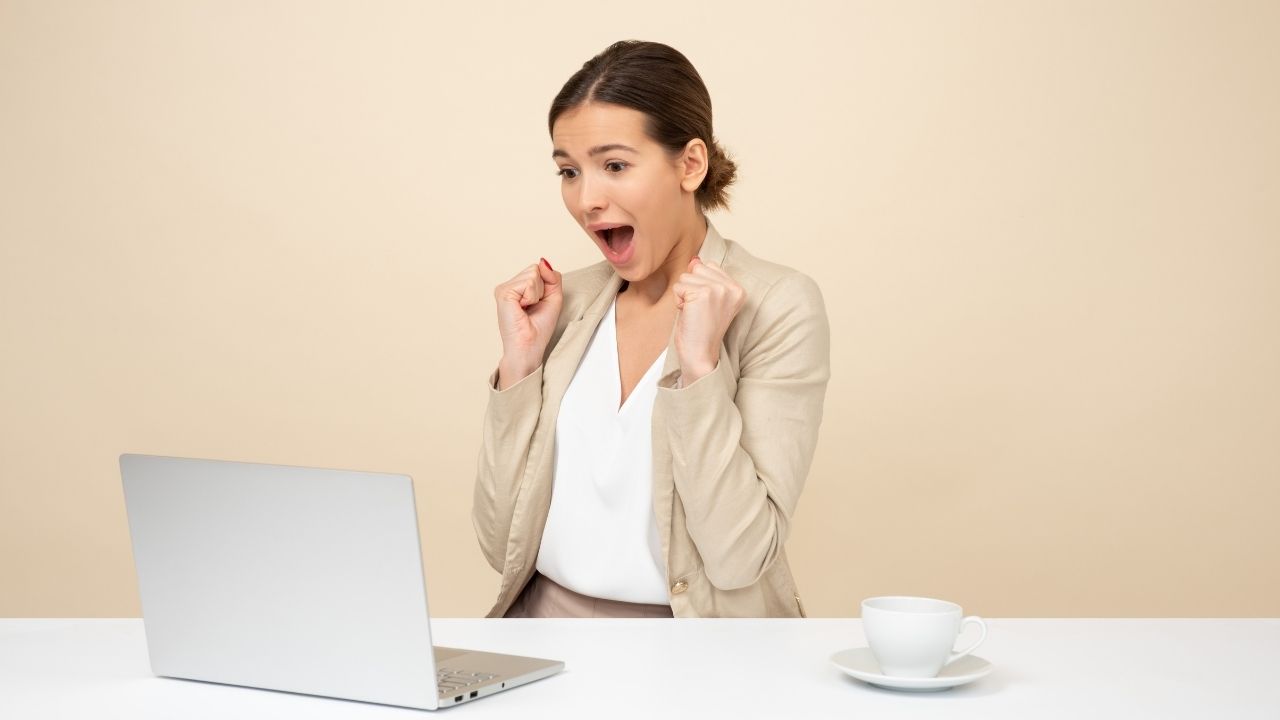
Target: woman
{"x": 670, "y": 394}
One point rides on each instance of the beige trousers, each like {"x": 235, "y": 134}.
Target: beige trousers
{"x": 543, "y": 597}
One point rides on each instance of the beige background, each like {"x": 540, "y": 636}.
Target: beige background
{"x": 1048, "y": 235}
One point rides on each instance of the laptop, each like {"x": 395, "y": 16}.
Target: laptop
{"x": 299, "y": 579}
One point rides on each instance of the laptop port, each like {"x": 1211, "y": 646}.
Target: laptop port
{"x": 475, "y": 693}
{"x": 458, "y": 699}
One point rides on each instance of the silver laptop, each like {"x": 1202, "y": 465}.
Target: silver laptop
{"x": 294, "y": 578}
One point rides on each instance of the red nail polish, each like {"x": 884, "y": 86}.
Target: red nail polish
{"x": 544, "y": 262}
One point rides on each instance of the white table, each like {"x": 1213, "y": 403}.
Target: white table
{"x": 726, "y": 668}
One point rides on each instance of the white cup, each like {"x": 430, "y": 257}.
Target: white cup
{"x": 914, "y": 636}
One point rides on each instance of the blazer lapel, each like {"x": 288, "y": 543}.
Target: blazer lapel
{"x": 713, "y": 249}
{"x": 563, "y": 361}
{"x": 557, "y": 371}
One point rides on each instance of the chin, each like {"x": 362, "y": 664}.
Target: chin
{"x": 632, "y": 273}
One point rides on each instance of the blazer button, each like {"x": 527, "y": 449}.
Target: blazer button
{"x": 679, "y": 587}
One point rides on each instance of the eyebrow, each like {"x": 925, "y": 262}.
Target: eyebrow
{"x": 596, "y": 150}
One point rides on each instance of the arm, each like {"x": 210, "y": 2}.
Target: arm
{"x": 509, "y": 420}
{"x": 741, "y": 462}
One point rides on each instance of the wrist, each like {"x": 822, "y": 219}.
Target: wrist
{"x": 689, "y": 376}
{"x": 511, "y": 372}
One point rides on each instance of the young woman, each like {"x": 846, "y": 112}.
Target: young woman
{"x": 653, "y": 416}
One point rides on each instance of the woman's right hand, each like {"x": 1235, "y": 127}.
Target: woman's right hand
{"x": 528, "y": 307}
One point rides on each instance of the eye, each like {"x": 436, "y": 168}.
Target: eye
{"x": 621, "y": 165}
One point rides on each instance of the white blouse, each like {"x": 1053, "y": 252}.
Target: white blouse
{"x": 601, "y": 536}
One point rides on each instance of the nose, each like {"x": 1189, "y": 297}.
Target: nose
{"x": 591, "y": 195}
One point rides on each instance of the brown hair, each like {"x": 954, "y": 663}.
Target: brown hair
{"x": 659, "y": 81}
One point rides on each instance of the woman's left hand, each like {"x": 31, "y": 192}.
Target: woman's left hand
{"x": 707, "y": 300}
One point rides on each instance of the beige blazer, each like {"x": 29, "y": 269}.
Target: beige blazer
{"x": 731, "y": 451}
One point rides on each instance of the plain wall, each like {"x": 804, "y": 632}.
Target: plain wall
{"x": 1047, "y": 233}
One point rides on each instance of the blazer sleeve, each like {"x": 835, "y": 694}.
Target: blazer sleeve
{"x": 740, "y": 461}
{"x": 510, "y": 417}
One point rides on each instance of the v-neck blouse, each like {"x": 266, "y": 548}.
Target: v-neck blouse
{"x": 601, "y": 536}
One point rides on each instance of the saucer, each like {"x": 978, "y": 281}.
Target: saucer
{"x": 860, "y": 663}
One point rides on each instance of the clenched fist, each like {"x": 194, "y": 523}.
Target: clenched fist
{"x": 528, "y": 307}
{"x": 707, "y": 299}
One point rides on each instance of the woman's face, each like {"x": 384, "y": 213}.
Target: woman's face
{"x": 614, "y": 175}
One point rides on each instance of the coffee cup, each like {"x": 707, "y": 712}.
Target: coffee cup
{"x": 914, "y": 636}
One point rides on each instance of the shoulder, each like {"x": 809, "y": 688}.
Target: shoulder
{"x": 782, "y": 330}
{"x": 774, "y": 290}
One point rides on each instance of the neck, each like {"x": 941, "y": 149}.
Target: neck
{"x": 657, "y": 285}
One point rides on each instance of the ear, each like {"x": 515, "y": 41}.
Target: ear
{"x": 693, "y": 165}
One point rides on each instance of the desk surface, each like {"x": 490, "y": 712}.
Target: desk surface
{"x": 726, "y": 668}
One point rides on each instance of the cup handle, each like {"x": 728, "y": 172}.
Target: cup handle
{"x": 971, "y": 619}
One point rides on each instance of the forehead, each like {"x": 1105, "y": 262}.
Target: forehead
{"x": 591, "y": 124}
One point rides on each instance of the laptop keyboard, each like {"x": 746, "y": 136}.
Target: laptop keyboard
{"x": 451, "y": 681}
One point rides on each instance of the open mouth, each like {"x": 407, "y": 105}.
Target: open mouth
{"x": 617, "y": 238}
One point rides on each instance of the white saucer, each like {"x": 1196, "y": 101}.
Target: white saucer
{"x": 860, "y": 663}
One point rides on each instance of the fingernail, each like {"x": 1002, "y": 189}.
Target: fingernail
{"x": 544, "y": 262}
